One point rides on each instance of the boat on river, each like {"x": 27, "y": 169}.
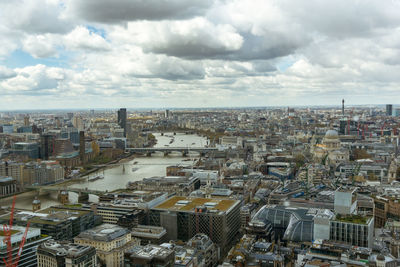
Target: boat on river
{"x": 98, "y": 177}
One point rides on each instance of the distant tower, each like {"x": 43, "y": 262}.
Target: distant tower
{"x": 343, "y": 107}
{"x": 63, "y": 197}
{"x": 82, "y": 147}
{"x": 46, "y": 146}
{"x": 389, "y": 110}
{"x": 70, "y": 115}
{"x": 167, "y": 113}
{"x": 122, "y": 119}
{"x": 26, "y": 121}
{"x": 36, "y": 204}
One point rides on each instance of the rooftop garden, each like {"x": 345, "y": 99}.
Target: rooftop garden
{"x": 2, "y": 233}
{"x": 357, "y": 219}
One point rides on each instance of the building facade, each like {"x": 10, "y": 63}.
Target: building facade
{"x": 59, "y": 254}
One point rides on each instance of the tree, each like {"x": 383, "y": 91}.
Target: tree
{"x": 299, "y": 159}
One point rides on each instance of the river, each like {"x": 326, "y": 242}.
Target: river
{"x": 116, "y": 178}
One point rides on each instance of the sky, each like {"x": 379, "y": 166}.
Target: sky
{"x": 198, "y": 53}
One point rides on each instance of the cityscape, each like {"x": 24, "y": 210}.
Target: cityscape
{"x": 201, "y": 133}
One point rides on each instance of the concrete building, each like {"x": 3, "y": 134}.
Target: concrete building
{"x": 122, "y": 117}
{"x": 57, "y": 222}
{"x": 114, "y": 209}
{"x": 355, "y": 230}
{"x": 184, "y": 217}
{"x": 389, "y": 110}
{"x": 33, "y": 239}
{"x": 149, "y": 234}
{"x": 8, "y": 186}
{"x": 149, "y": 256}
{"x": 59, "y": 254}
{"x": 111, "y": 242}
{"x": 206, "y": 249}
{"x": 345, "y": 202}
{"x": 31, "y": 150}
{"x": 386, "y": 207}
{"x": 12, "y": 169}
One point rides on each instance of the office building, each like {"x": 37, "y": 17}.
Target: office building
{"x": 30, "y": 150}
{"x": 62, "y": 253}
{"x": 206, "y": 249}
{"x": 46, "y": 146}
{"x": 130, "y": 206}
{"x": 122, "y": 117}
{"x": 389, "y": 110}
{"x": 111, "y": 242}
{"x": 150, "y": 255}
{"x": 184, "y": 217}
{"x": 8, "y": 128}
{"x": 8, "y": 186}
{"x": 58, "y": 222}
{"x": 33, "y": 239}
{"x": 24, "y": 129}
{"x": 345, "y": 202}
{"x": 386, "y": 207}
{"x": 354, "y": 230}
{"x": 12, "y": 169}
{"x": 82, "y": 147}
{"x": 78, "y": 123}
{"x": 45, "y": 172}
{"x": 149, "y": 234}
{"x": 291, "y": 224}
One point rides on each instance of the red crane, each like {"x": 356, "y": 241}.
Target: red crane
{"x": 9, "y": 262}
{"x": 383, "y": 126}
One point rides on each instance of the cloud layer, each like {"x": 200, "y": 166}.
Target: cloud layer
{"x": 180, "y": 53}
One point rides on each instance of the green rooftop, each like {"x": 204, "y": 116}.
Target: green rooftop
{"x": 356, "y": 219}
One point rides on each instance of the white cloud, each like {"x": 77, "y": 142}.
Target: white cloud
{"x": 238, "y": 52}
{"x": 82, "y": 38}
{"x": 40, "y": 46}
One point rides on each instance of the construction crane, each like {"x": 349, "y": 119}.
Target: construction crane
{"x": 10, "y": 262}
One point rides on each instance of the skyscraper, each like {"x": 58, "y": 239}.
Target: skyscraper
{"x": 342, "y": 107}
{"x": 82, "y": 146}
{"x": 122, "y": 119}
{"x": 389, "y": 110}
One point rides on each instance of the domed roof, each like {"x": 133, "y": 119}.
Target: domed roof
{"x": 331, "y": 134}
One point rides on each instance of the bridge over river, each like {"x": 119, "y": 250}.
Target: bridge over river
{"x": 166, "y": 150}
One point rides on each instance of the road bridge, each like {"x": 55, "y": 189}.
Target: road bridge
{"x": 55, "y": 188}
{"x": 166, "y": 150}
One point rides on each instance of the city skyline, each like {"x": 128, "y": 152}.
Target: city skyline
{"x": 60, "y": 54}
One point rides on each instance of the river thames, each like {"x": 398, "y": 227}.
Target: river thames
{"x": 116, "y": 177}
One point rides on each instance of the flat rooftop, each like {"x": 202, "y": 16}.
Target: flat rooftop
{"x": 178, "y": 203}
{"x": 105, "y": 232}
{"x": 65, "y": 248}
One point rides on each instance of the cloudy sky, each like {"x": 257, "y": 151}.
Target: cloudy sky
{"x": 198, "y": 53}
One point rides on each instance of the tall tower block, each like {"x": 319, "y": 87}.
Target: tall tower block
{"x": 343, "y": 107}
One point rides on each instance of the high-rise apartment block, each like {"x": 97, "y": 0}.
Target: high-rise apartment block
{"x": 122, "y": 119}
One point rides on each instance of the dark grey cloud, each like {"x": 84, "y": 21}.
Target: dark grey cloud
{"x": 117, "y": 11}
{"x": 6, "y": 73}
